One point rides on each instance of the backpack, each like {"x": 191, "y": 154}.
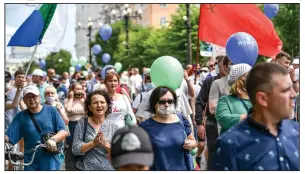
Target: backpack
{"x": 70, "y": 158}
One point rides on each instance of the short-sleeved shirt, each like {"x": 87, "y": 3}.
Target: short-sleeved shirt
{"x": 167, "y": 141}
{"x": 219, "y": 88}
{"x": 250, "y": 146}
{"x": 49, "y": 121}
{"x": 41, "y": 89}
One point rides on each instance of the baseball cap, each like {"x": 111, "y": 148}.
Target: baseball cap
{"x": 205, "y": 69}
{"x": 296, "y": 61}
{"x": 38, "y": 72}
{"x": 30, "y": 89}
{"x": 269, "y": 60}
{"x": 146, "y": 71}
{"x": 124, "y": 80}
{"x": 237, "y": 71}
{"x": 131, "y": 145}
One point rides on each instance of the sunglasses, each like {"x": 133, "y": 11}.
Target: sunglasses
{"x": 170, "y": 101}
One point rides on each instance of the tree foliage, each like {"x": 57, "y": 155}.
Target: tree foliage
{"x": 147, "y": 44}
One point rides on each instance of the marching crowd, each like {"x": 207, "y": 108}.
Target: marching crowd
{"x": 234, "y": 117}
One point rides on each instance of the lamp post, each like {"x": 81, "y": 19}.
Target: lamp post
{"x": 188, "y": 34}
{"x": 89, "y": 28}
{"x": 127, "y": 14}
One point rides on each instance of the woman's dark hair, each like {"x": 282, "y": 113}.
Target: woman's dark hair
{"x": 155, "y": 96}
{"x": 98, "y": 92}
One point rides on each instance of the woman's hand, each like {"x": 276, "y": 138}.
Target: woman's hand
{"x": 96, "y": 140}
{"x": 71, "y": 95}
{"x": 104, "y": 143}
{"x": 189, "y": 144}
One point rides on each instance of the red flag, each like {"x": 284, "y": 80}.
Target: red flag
{"x": 217, "y": 22}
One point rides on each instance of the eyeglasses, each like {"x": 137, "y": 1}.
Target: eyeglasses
{"x": 170, "y": 101}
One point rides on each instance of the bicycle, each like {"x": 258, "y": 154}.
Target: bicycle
{"x": 15, "y": 157}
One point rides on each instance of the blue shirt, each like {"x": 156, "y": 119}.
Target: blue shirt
{"x": 249, "y": 146}
{"x": 49, "y": 120}
{"x": 167, "y": 141}
{"x": 41, "y": 89}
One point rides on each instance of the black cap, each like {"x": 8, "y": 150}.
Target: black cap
{"x": 131, "y": 145}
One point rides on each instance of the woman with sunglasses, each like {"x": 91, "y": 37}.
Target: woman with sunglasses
{"x": 170, "y": 133}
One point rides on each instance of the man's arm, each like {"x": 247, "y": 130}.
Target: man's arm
{"x": 213, "y": 98}
{"x": 293, "y": 77}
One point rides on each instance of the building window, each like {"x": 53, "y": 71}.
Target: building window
{"x": 163, "y": 21}
{"x": 163, "y": 5}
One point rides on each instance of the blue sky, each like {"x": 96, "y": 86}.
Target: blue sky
{"x": 15, "y": 14}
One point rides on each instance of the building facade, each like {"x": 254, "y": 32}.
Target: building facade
{"x": 155, "y": 15}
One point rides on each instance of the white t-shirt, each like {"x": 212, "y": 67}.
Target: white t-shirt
{"x": 138, "y": 80}
{"x": 137, "y": 101}
{"x": 119, "y": 109}
{"x": 297, "y": 73}
{"x": 132, "y": 84}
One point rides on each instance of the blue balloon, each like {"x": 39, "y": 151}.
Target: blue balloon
{"x": 105, "y": 32}
{"x": 42, "y": 64}
{"x": 96, "y": 49}
{"x": 106, "y": 58}
{"x": 241, "y": 47}
{"x": 78, "y": 67}
{"x": 271, "y": 10}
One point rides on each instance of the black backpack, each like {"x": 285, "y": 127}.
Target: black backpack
{"x": 70, "y": 158}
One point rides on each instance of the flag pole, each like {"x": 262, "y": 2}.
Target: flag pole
{"x": 197, "y": 52}
{"x": 32, "y": 58}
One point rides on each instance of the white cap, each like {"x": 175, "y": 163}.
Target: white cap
{"x": 237, "y": 71}
{"x": 124, "y": 80}
{"x": 146, "y": 71}
{"x": 38, "y": 72}
{"x": 205, "y": 69}
{"x": 296, "y": 61}
{"x": 269, "y": 60}
{"x": 30, "y": 89}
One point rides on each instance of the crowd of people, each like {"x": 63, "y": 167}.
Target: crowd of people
{"x": 218, "y": 119}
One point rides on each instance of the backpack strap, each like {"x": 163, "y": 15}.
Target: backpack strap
{"x": 85, "y": 128}
{"x": 140, "y": 98}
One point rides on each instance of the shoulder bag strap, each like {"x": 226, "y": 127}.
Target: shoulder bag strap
{"x": 35, "y": 122}
{"x": 85, "y": 128}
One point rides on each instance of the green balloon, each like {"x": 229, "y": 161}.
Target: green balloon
{"x": 74, "y": 61}
{"x": 72, "y": 69}
{"x": 118, "y": 66}
{"x": 167, "y": 71}
{"x": 82, "y": 61}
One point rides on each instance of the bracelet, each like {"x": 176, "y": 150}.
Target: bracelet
{"x": 295, "y": 81}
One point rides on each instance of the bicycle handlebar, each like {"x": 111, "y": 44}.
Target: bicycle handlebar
{"x": 19, "y": 155}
